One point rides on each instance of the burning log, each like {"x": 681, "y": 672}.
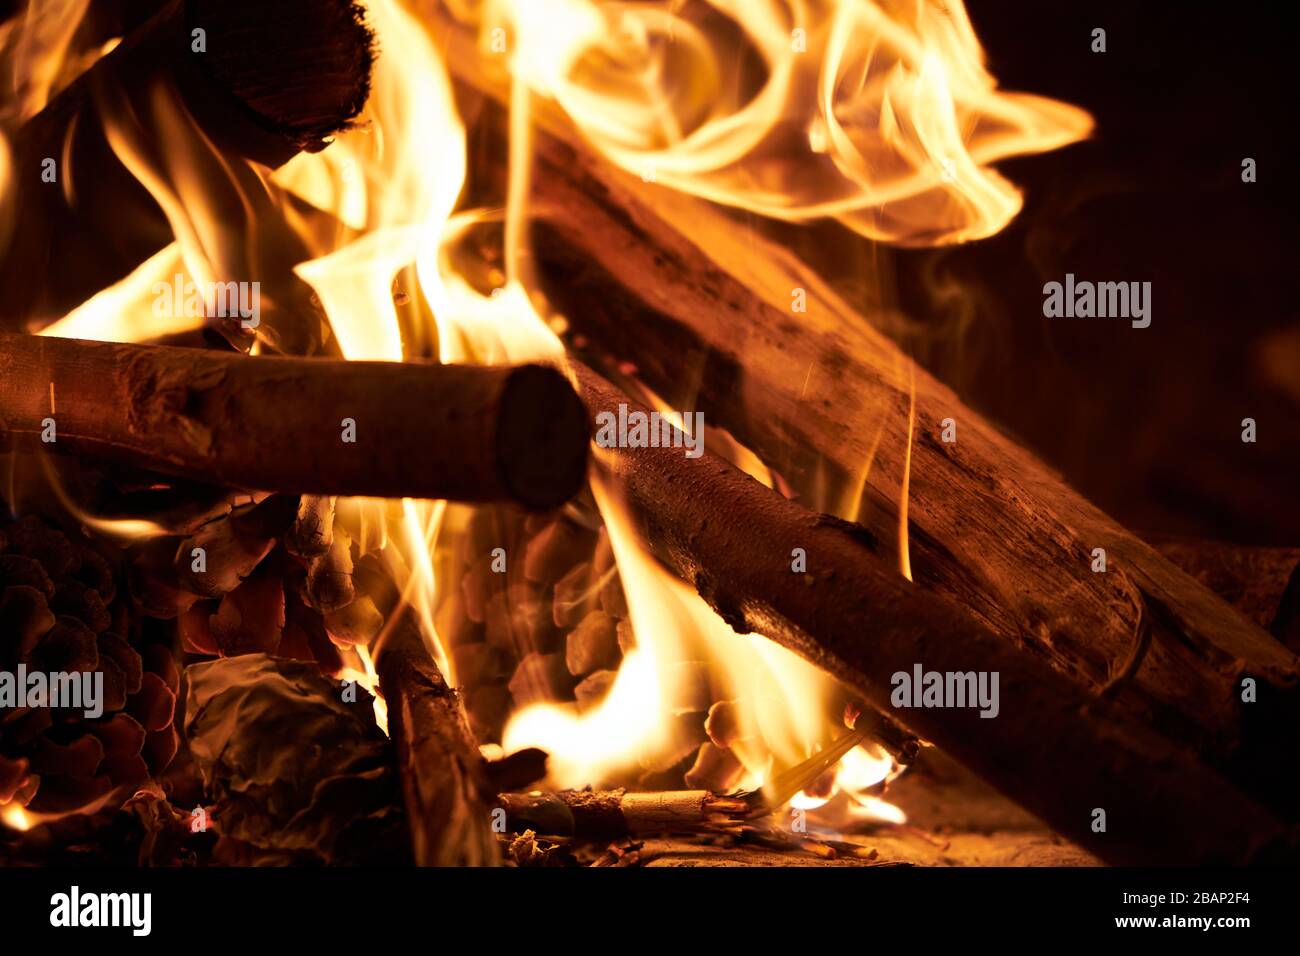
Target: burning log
{"x": 988, "y": 525}
{"x": 663, "y": 280}
{"x": 610, "y": 814}
{"x": 444, "y": 779}
{"x": 1060, "y": 752}
{"x": 300, "y": 425}
{"x": 265, "y": 82}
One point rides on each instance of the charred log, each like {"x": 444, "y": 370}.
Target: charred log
{"x": 444, "y": 778}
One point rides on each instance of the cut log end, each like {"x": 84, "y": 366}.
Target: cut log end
{"x": 542, "y": 437}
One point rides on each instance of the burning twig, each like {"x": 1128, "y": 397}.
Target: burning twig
{"x": 610, "y": 814}
{"x": 790, "y": 781}
{"x": 301, "y": 425}
{"x": 1056, "y": 750}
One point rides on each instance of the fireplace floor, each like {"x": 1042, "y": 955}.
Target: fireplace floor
{"x": 954, "y": 819}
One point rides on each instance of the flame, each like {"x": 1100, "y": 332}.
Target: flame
{"x": 878, "y": 114}
{"x": 904, "y": 543}
{"x": 123, "y": 312}
{"x": 38, "y": 48}
{"x": 15, "y": 817}
{"x": 408, "y": 205}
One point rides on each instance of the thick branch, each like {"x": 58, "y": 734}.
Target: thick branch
{"x": 1060, "y": 752}
{"x": 318, "y": 426}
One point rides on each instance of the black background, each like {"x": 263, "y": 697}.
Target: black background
{"x": 1146, "y": 422}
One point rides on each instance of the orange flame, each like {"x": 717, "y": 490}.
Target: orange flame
{"x": 879, "y": 114}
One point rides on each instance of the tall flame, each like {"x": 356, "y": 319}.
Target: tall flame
{"x": 879, "y": 114}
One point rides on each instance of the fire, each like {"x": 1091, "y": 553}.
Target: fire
{"x": 878, "y": 114}
{"x": 15, "y": 817}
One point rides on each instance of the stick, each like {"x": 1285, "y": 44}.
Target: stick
{"x": 318, "y": 426}
{"x": 444, "y": 780}
{"x": 1057, "y": 751}
{"x": 273, "y": 79}
{"x": 609, "y": 814}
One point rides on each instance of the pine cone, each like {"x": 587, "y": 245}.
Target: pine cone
{"x": 62, "y": 610}
{"x": 269, "y": 575}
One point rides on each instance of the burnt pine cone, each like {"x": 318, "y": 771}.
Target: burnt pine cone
{"x": 61, "y": 609}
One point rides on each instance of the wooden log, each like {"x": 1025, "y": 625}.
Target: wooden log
{"x": 270, "y": 81}
{"x": 298, "y": 425}
{"x": 988, "y": 524}
{"x": 1057, "y": 750}
{"x": 444, "y": 778}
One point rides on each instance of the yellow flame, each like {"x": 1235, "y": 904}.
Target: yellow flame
{"x": 904, "y": 544}
{"x": 124, "y": 312}
{"x": 15, "y": 817}
{"x": 880, "y": 114}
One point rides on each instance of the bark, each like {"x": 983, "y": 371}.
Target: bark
{"x": 285, "y": 424}
{"x": 444, "y": 780}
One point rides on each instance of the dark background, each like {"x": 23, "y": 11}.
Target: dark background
{"x": 1146, "y": 422}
